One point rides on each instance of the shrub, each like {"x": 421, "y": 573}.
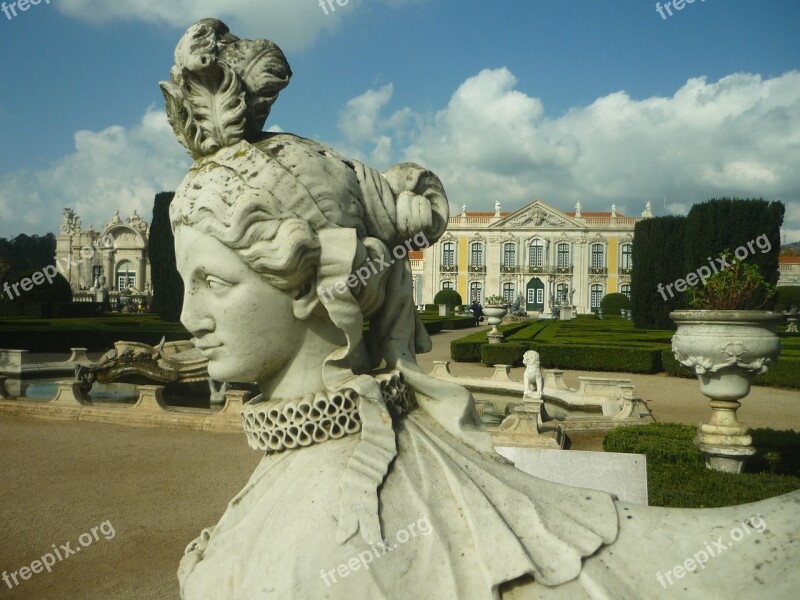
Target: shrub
{"x": 167, "y": 283}
{"x": 468, "y": 348}
{"x": 612, "y": 303}
{"x": 503, "y": 354}
{"x": 676, "y": 473}
{"x": 721, "y": 223}
{"x": 741, "y": 286}
{"x": 450, "y": 297}
{"x": 786, "y": 297}
{"x": 658, "y": 247}
{"x": 626, "y": 359}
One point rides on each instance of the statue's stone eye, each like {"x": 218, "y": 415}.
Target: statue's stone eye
{"x": 215, "y": 283}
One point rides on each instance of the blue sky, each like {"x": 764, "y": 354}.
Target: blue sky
{"x": 590, "y": 100}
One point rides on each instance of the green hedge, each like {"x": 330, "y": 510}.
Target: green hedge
{"x": 503, "y": 354}
{"x": 599, "y": 357}
{"x": 676, "y": 472}
{"x": 468, "y": 348}
{"x": 97, "y": 334}
{"x": 787, "y": 296}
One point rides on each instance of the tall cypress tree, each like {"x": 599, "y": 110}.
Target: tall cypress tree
{"x": 167, "y": 283}
{"x": 731, "y": 223}
{"x": 657, "y": 259}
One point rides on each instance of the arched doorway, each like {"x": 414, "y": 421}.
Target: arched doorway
{"x": 126, "y": 275}
{"x": 534, "y": 298}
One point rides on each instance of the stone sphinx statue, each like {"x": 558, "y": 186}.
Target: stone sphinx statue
{"x": 377, "y": 480}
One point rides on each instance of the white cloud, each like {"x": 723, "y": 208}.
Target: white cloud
{"x": 739, "y": 136}
{"x": 116, "y": 168}
{"x": 292, "y": 24}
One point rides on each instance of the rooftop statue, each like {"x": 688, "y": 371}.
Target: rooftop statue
{"x": 377, "y": 480}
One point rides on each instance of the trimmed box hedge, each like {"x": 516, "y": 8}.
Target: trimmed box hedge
{"x": 676, "y": 472}
{"x": 468, "y": 348}
{"x": 503, "y": 354}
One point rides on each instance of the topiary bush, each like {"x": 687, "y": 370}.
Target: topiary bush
{"x": 786, "y": 297}
{"x": 450, "y": 297}
{"x": 612, "y": 303}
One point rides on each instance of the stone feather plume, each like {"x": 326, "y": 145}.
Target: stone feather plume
{"x": 221, "y": 87}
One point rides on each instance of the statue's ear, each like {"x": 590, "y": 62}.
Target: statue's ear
{"x": 305, "y": 301}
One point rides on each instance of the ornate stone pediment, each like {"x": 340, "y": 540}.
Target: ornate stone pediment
{"x": 537, "y": 214}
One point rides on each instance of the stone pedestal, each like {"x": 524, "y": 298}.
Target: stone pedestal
{"x": 554, "y": 379}
{"x": 523, "y": 428}
{"x": 792, "y": 325}
{"x": 444, "y": 310}
{"x": 441, "y": 368}
{"x": 11, "y": 361}
{"x": 565, "y": 313}
{"x": 79, "y": 356}
{"x": 151, "y": 398}
{"x": 501, "y": 373}
{"x": 69, "y": 393}
{"x": 234, "y": 401}
{"x": 3, "y": 391}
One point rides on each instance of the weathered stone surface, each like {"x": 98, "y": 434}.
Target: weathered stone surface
{"x": 624, "y": 475}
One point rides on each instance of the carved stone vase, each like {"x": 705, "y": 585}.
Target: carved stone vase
{"x": 726, "y": 349}
{"x": 495, "y": 314}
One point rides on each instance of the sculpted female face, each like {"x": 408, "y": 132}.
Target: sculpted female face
{"x": 244, "y": 326}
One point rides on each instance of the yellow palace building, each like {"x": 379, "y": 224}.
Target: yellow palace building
{"x": 538, "y": 251}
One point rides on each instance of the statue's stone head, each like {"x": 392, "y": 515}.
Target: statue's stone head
{"x": 276, "y": 234}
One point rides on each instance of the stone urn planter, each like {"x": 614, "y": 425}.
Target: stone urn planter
{"x": 726, "y": 349}
{"x": 495, "y": 314}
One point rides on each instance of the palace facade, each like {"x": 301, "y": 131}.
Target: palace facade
{"x": 538, "y": 251}
{"x": 115, "y": 258}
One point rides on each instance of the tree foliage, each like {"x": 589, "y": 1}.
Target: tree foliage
{"x": 451, "y": 297}
{"x": 612, "y": 303}
{"x": 731, "y": 223}
{"x": 167, "y": 283}
{"x": 658, "y": 259}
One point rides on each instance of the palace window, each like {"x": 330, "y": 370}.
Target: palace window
{"x": 447, "y": 285}
{"x": 476, "y": 255}
{"x": 627, "y": 256}
{"x": 563, "y": 255}
{"x": 448, "y": 254}
{"x": 626, "y": 289}
{"x": 536, "y": 257}
{"x": 126, "y": 275}
{"x": 508, "y": 293}
{"x": 509, "y": 254}
{"x": 596, "y": 295}
{"x": 562, "y": 293}
{"x": 598, "y": 256}
{"x": 475, "y": 292}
